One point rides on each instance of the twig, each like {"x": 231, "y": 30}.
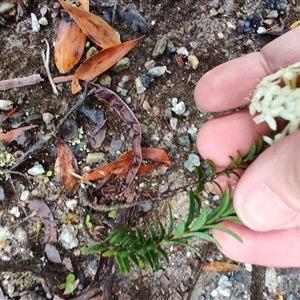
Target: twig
{"x": 61, "y": 79}
{"x": 20, "y": 82}
{"x": 43, "y": 142}
{"x": 46, "y": 64}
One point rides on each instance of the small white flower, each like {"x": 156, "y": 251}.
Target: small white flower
{"x": 277, "y": 96}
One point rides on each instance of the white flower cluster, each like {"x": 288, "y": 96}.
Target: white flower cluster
{"x": 277, "y": 96}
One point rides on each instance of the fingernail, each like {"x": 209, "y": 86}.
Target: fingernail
{"x": 261, "y": 209}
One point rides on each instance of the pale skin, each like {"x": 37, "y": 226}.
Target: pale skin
{"x": 267, "y": 196}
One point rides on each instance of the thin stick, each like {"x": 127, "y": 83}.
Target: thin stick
{"x": 20, "y": 82}
{"x": 46, "y": 64}
{"x": 43, "y": 142}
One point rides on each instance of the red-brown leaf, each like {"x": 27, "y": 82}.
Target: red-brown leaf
{"x": 120, "y": 167}
{"x": 65, "y": 165}
{"x": 10, "y": 136}
{"x": 69, "y": 45}
{"x": 100, "y": 62}
{"x": 95, "y": 28}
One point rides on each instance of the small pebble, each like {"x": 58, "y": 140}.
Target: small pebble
{"x": 179, "y": 108}
{"x": 35, "y": 23}
{"x": 2, "y": 194}
{"x": 105, "y": 80}
{"x": 261, "y": 30}
{"x": 157, "y": 71}
{"x": 140, "y": 89}
{"x": 15, "y": 211}
{"x": 25, "y": 195}
{"x": 116, "y": 145}
{"x": 193, "y": 60}
{"x": 123, "y": 80}
{"x": 92, "y": 51}
{"x": 159, "y": 48}
{"x": 170, "y": 46}
{"x": 147, "y": 80}
{"x": 173, "y": 123}
{"x": 71, "y": 204}
{"x": 193, "y": 132}
{"x": 149, "y": 64}
{"x": 121, "y": 65}
{"x": 184, "y": 141}
{"x": 213, "y": 12}
{"x": 36, "y": 170}
{"x": 43, "y": 21}
{"x": 6, "y": 104}
{"x": 67, "y": 238}
{"x": 220, "y": 35}
{"x": 273, "y": 14}
{"x": 182, "y": 51}
{"x": 47, "y": 118}
{"x": 52, "y": 253}
{"x": 193, "y": 160}
{"x": 92, "y": 158}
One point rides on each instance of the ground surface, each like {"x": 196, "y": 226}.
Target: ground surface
{"x": 27, "y": 269}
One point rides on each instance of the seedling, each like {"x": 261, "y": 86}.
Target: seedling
{"x": 68, "y": 286}
{"x": 88, "y": 222}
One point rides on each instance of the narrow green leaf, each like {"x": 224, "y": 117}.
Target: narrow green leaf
{"x": 152, "y": 258}
{"x": 140, "y": 235}
{"x": 239, "y": 159}
{"x": 202, "y": 235}
{"x": 234, "y": 219}
{"x": 199, "y": 188}
{"x": 229, "y": 210}
{"x": 201, "y": 220}
{"x": 161, "y": 231}
{"x": 191, "y": 210}
{"x": 116, "y": 236}
{"x": 251, "y": 153}
{"x": 164, "y": 254}
{"x": 186, "y": 245}
{"x": 171, "y": 221}
{"x": 134, "y": 259}
{"x": 213, "y": 217}
{"x": 152, "y": 233}
{"x": 225, "y": 229}
{"x": 129, "y": 240}
{"x": 232, "y": 163}
{"x": 212, "y": 167}
{"x": 123, "y": 264}
{"x": 180, "y": 229}
{"x": 94, "y": 249}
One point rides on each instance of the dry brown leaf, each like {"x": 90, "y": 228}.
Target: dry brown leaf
{"x": 100, "y": 62}
{"x": 69, "y": 43}
{"x": 65, "y": 165}
{"x": 122, "y": 164}
{"x": 220, "y": 267}
{"x": 10, "y": 136}
{"x": 95, "y": 28}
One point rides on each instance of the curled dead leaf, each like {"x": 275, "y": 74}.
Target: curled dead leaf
{"x": 100, "y": 62}
{"x": 65, "y": 166}
{"x": 220, "y": 267}
{"x": 95, "y": 28}
{"x": 11, "y": 135}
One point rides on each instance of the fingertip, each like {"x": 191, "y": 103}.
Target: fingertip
{"x": 277, "y": 248}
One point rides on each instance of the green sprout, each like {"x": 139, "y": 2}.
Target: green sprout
{"x": 88, "y": 222}
{"x": 113, "y": 214}
{"x": 68, "y": 286}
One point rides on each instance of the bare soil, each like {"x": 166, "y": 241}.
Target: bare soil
{"x": 26, "y": 271}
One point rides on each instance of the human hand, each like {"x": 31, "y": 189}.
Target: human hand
{"x": 267, "y": 196}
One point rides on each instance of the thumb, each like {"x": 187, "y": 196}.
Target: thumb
{"x": 267, "y": 196}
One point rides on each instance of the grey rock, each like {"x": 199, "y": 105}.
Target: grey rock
{"x": 38, "y": 169}
{"x": 192, "y": 161}
{"x": 121, "y": 65}
{"x": 67, "y": 238}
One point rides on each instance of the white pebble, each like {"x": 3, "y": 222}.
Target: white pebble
{"x": 220, "y": 35}
{"x": 35, "y": 23}
{"x": 67, "y": 238}
{"x": 173, "y": 123}
{"x": 6, "y": 104}
{"x": 193, "y": 60}
{"x": 179, "y": 108}
{"x": 72, "y": 203}
{"x": 140, "y": 89}
{"x": 182, "y": 51}
{"x": 15, "y": 211}
{"x": 158, "y": 71}
{"x": 36, "y": 170}
{"x": 25, "y": 195}
{"x": 43, "y": 21}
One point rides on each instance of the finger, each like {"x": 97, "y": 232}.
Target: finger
{"x": 222, "y": 137}
{"x": 267, "y": 196}
{"x": 229, "y": 85}
{"x": 278, "y": 248}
